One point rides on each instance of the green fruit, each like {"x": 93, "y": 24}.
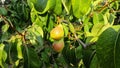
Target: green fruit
{"x": 58, "y": 45}
{"x": 57, "y": 33}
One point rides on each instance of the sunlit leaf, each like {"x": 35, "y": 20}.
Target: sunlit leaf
{"x": 5, "y": 28}
{"x": 80, "y": 7}
{"x": 71, "y": 27}
{"x": 3, "y": 55}
{"x": 58, "y": 7}
{"x": 67, "y": 5}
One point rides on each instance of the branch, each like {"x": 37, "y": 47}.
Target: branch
{"x": 106, "y": 5}
{"x": 82, "y": 43}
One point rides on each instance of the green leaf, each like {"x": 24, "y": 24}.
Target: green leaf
{"x": 116, "y": 51}
{"x": 5, "y": 28}
{"x": 3, "y": 55}
{"x": 108, "y": 53}
{"x": 37, "y": 19}
{"x": 116, "y": 27}
{"x": 31, "y": 59}
{"x": 96, "y": 31}
{"x": 71, "y": 27}
{"x": 80, "y": 7}
{"x": 65, "y": 29}
{"x": 50, "y": 24}
{"x": 3, "y": 11}
{"x": 97, "y": 28}
{"x": 35, "y": 35}
{"x": 19, "y": 48}
{"x": 15, "y": 50}
{"x": 98, "y": 18}
{"x": 67, "y": 5}
{"x": 45, "y": 57}
{"x": 58, "y": 7}
{"x": 94, "y": 62}
{"x": 78, "y": 52}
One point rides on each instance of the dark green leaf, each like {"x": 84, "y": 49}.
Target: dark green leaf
{"x": 94, "y": 63}
{"x": 78, "y": 52}
{"x": 107, "y": 49}
{"x": 31, "y": 59}
{"x": 3, "y": 11}
{"x": 116, "y": 51}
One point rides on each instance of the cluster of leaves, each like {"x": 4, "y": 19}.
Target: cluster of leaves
{"x": 91, "y": 27}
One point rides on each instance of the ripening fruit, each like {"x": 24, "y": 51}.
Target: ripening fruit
{"x": 58, "y": 45}
{"x": 57, "y": 33}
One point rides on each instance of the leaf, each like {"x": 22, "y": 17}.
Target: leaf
{"x": 35, "y": 35}
{"x": 97, "y": 28}
{"x": 80, "y": 7}
{"x": 71, "y": 27}
{"x": 31, "y": 59}
{"x": 96, "y": 31}
{"x": 67, "y": 5}
{"x": 98, "y": 18}
{"x": 37, "y": 19}
{"x": 3, "y": 55}
{"x": 19, "y": 48}
{"x": 3, "y": 11}
{"x": 107, "y": 53}
{"x": 45, "y": 57}
{"x": 94, "y": 62}
{"x": 116, "y": 51}
{"x": 5, "y": 28}
{"x": 15, "y": 50}
{"x": 116, "y": 27}
{"x": 78, "y": 52}
{"x": 58, "y": 7}
{"x": 65, "y": 29}
{"x": 50, "y": 24}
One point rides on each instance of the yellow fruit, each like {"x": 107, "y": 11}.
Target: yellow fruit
{"x": 58, "y": 45}
{"x": 57, "y": 33}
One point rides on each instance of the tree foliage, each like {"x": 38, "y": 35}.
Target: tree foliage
{"x": 91, "y": 33}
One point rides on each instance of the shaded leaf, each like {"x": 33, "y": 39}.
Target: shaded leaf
{"x": 116, "y": 51}
{"x": 31, "y": 59}
{"x": 3, "y": 11}
{"x": 107, "y": 53}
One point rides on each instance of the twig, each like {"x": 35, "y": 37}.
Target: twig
{"x": 79, "y": 41}
{"x": 106, "y": 5}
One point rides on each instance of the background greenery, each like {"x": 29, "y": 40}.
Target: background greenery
{"x": 92, "y": 33}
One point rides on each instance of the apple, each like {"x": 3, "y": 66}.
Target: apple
{"x": 58, "y": 45}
